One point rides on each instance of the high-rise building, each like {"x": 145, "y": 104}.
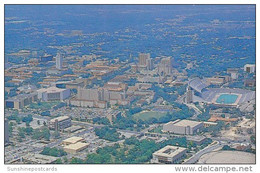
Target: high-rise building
{"x": 189, "y": 96}
{"x": 59, "y": 61}
{"x": 143, "y": 59}
{"x": 149, "y": 64}
{"x": 165, "y": 67}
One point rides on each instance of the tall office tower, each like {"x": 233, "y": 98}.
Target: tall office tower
{"x": 59, "y": 60}
{"x": 165, "y": 66}
{"x": 189, "y": 96}
{"x": 143, "y": 59}
{"x": 149, "y": 64}
{"x": 6, "y": 133}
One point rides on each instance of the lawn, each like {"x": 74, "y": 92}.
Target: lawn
{"x": 146, "y": 115}
{"x": 43, "y": 105}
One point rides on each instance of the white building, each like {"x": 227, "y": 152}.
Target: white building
{"x": 169, "y": 154}
{"x": 59, "y": 61}
{"x": 53, "y": 93}
{"x": 250, "y": 68}
{"x": 184, "y": 127}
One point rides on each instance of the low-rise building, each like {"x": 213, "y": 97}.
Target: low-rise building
{"x": 63, "y": 122}
{"x": 250, "y": 68}
{"x": 21, "y": 100}
{"x": 169, "y": 154}
{"x": 184, "y": 127}
{"x": 72, "y": 140}
{"x": 74, "y": 148}
{"x": 250, "y": 82}
{"x": 196, "y": 139}
{"x": 38, "y": 159}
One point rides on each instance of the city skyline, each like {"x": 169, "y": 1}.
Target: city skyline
{"x": 130, "y": 84}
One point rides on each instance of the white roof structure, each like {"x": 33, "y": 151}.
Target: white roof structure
{"x": 197, "y": 84}
{"x": 51, "y": 90}
{"x": 169, "y": 151}
{"x": 61, "y": 118}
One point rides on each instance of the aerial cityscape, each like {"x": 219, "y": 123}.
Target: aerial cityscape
{"x": 130, "y": 84}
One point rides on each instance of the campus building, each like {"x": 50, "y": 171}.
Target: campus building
{"x": 63, "y": 122}
{"x": 75, "y": 148}
{"x": 169, "y": 154}
{"x": 250, "y": 68}
{"x": 165, "y": 67}
{"x": 20, "y": 101}
{"x": 59, "y": 61}
{"x": 184, "y": 127}
{"x": 53, "y": 94}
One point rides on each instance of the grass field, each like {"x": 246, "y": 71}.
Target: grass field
{"x": 44, "y": 105}
{"x": 146, "y": 115}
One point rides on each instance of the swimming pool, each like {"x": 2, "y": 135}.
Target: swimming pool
{"x": 227, "y": 98}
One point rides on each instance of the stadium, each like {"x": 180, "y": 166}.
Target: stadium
{"x": 219, "y": 96}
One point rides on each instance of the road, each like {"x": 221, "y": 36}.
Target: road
{"x": 208, "y": 149}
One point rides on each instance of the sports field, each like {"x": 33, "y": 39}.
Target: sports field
{"x": 146, "y": 115}
{"x": 227, "y": 99}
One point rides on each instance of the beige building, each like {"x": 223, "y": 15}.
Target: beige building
{"x": 184, "y": 127}
{"x": 76, "y": 147}
{"x": 72, "y": 140}
{"x": 20, "y": 101}
{"x": 143, "y": 57}
{"x": 169, "y": 154}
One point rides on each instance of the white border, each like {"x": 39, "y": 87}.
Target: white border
{"x": 114, "y": 168}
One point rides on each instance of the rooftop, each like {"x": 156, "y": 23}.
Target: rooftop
{"x": 73, "y": 140}
{"x": 76, "y": 146}
{"x": 169, "y": 151}
{"x": 187, "y": 123}
{"x": 61, "y": 118}
{"x": 51, "y": 90}
{"x": 184, "y": 123}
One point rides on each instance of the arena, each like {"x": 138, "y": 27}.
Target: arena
{"x": 219, "y": 96}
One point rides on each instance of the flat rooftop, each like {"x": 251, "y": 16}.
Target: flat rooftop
{"x": 76, "y": 146}
{"x": 73, "y": 140}
{"x": 61, "y": 118}
{"x": 169, "y": 151}
{"x": 51, "y": 90}
{"x": 185, "y": 123}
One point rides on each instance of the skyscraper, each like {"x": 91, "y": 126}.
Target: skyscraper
{"x": 59, "y": 60}
{"x": 143, "y": 59}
